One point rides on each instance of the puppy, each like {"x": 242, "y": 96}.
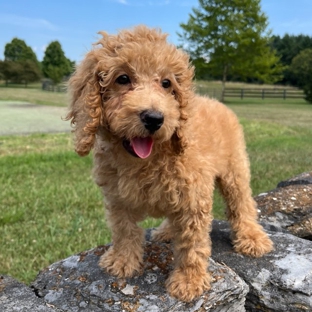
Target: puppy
{"x": 158, "y": 151}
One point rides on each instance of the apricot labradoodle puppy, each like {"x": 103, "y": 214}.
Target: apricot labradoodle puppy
{"x": 158, "y": 150}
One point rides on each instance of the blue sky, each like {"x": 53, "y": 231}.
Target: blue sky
{"x": 75, "y": 23}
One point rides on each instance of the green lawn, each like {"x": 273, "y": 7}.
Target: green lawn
{"x": 33, "y": 94}
{"x": 50, "y": 207}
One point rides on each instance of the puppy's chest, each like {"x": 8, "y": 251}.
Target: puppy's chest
{"x": 146, "y": 184}
{"x": 152, "y": 188}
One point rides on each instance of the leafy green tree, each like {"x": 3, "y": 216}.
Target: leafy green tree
{"x": 287, "y": 48}
{"x": 9, "y": 70}
{"x": 231, "y": 38}
{"x": 301, "y": 67}
{"x": 18, "y": 50}
{"x": 55, "y": 65}
{"x": 20, "y": 63}
{"x": 20, "y": 71}
{"x": 30, "y": 72}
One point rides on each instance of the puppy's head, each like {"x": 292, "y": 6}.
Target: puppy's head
{"x": 134, "y": 85}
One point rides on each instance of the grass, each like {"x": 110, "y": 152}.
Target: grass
{"x": 33, "y": 94}
{"x": 51, "y": 208}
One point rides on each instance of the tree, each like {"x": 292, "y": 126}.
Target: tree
{"x": 301, "y": 67}
{"x": 20, "y": 63}
{"x": 30, "y": 72}
{"x": 55, "y": 65}
{"x": 287, "y": 48}
{"x": 9, "y": 70}
{"x": 20, "y": 71}
{"x": 18, "y": 50}
{"x": 230, "y": 38}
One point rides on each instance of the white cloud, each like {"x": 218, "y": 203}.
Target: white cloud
{"x": 22, "y": 21}
{"x": 143, "y": 2}
{"x": 166, "y": 2}
{"x": 124, "y": 2}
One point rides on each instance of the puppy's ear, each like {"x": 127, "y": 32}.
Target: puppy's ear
{"x": 85, "y": 109}
{"x": 183, "y": 93}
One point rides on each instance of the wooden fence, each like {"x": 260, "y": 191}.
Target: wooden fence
{"x": 49, "y": 86}
{"x": 277, "y": 93}
{"x": 265, "y": 93}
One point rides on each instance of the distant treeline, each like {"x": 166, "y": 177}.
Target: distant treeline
{"x": 286, "y": 47}
{"x": 20, "y": 64}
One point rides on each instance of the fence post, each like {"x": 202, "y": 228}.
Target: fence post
{"x": 263, "y": 94}
{"x": 242, "y": 93}
{"x": 284, "y": 95}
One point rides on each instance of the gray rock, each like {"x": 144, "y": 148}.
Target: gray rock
{"x": 78, "y": 284}
{"x": 289, "y": 206}
{"x": 15, "y": 296}
{"x": 279, "y": 281}
{"x": 301, "y": 179}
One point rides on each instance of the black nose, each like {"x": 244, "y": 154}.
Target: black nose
{"x": 152, "y": 120}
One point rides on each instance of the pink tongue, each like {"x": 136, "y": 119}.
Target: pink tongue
{"x": 142, "y": 146}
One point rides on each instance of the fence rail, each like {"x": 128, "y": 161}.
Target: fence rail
{"x": 276, "y": 93}
{"x": 265, "y": 93}
{"x": 48, "y": 86}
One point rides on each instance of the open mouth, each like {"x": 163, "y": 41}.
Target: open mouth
{"x": 139, "y": 147}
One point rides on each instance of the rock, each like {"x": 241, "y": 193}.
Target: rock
{"x": 78, "y": 284}
{"x": 289, "y": 206}
{"x": 15, "y": 296}
{"x": 301, "y": 179}
{"x": 279, "y": 281}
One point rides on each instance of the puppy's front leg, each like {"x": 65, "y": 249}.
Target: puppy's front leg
{"x": 192, "y": 247}
{"x": 125, "y": 257}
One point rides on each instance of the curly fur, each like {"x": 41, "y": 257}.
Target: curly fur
{"x": 199, "y": 143}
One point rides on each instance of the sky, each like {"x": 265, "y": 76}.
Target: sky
{"x": 75, "y": 24}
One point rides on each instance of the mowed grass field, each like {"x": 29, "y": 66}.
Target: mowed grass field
{"x": 50, "y": 208}
{"x": 32, "y": 94}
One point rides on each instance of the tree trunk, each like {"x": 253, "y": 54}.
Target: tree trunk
{"x": 223, "y": 82}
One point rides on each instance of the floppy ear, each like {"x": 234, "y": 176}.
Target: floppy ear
{"x": 85, "y": 109}
{"x": 184, "y": 73}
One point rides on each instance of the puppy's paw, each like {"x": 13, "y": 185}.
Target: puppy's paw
{"x": 254, "y": 244}
{"x": 120, "y": 264}
{"x": 187, "y": 287}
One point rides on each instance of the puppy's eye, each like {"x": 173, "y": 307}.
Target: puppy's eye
{"x": 123, "y": 79}
{"x": 166, "y": 83}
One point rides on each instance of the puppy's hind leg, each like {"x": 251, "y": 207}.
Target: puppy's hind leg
{"x": 248, "y": 236}
{"x": 125, "y": 257}
{"x": 163, "y": 233}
